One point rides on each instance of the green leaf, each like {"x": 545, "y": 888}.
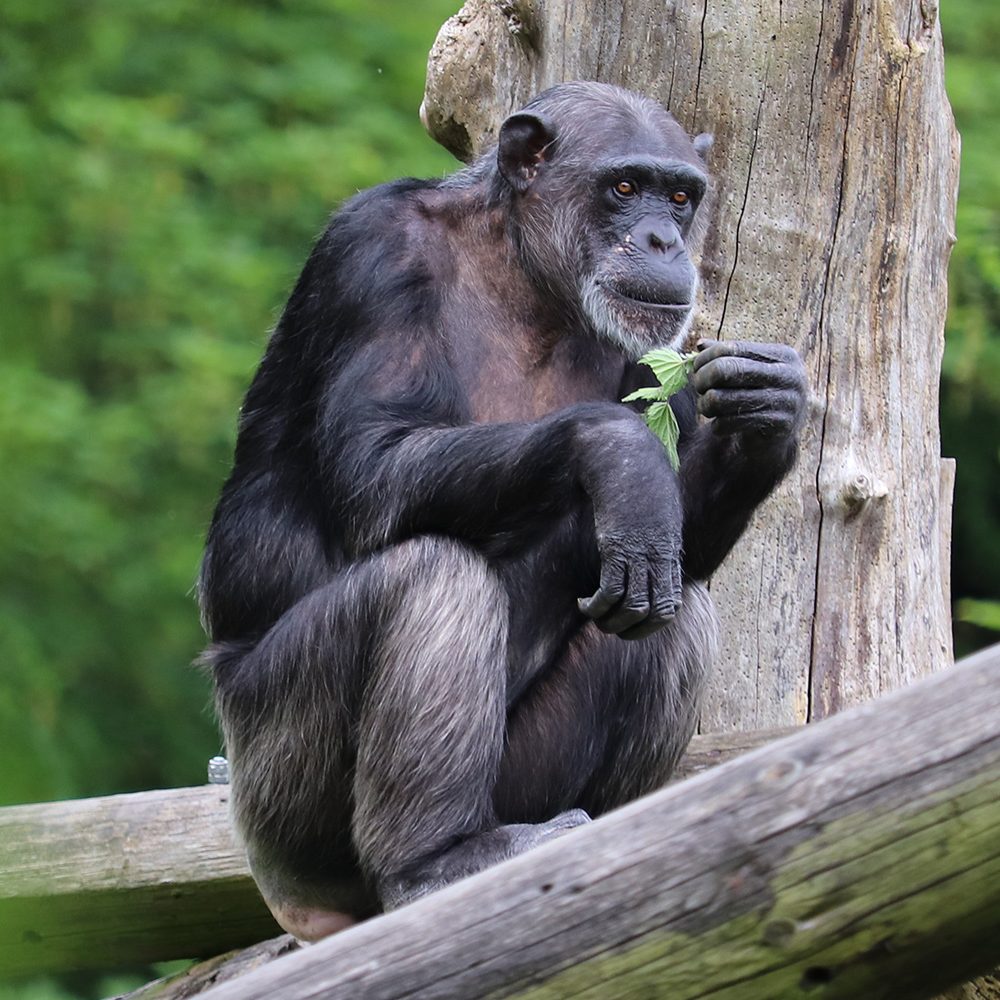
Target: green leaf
{"x": 671, "y": 368}
{"x": 653, "y": 392}
{"x": 985, "y": 614}
{"x": 661, "y": 421}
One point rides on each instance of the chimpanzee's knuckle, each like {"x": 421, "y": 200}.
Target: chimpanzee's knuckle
{"x": 709, "y": 352}
{"x": 636, "y": 609}
{"x": 711, "y": 403}
{"x": 701, "y": 381}
{"x": 725, "y": 370}
{"x": 664, "y": 611}
{"x": 624, "y": 618}
{"x": 790, "y": 402}
{"x": 780, "y": 353}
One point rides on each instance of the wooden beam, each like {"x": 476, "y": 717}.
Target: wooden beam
{"x": 123, "y": 879}
{"x": 856, "y": 858}
{"x": 105, "y": 882}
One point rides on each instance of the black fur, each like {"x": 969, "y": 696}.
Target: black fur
{"x": 432, "y": 470}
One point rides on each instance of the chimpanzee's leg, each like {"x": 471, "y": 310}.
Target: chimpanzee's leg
{"x": 609, "y": 720}
{"x": 366, "y": 727}
{"x": 432, "y": 730}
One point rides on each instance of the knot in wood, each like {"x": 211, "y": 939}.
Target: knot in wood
{"x": 780, "y": 773}
{"x": 779, "y": 933}
{"x": 858, "y": 490}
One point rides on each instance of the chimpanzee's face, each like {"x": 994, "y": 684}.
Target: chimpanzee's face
{"x": 604, "y": 210}
{"x": 640, "y": 286}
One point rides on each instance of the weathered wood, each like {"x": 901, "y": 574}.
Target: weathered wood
{"x": 708, "y": 751}
{"x": 985, "y": 988}
{"x": 100, "y": 883}
{"x": 856, "y": 858}
{"x": 837, "y": 164}
{"x": 213, "y": 971}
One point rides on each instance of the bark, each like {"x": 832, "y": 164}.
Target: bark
{"x": 836, "y": 165}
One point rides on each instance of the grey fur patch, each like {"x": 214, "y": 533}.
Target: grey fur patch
{"x": 636, "y": 334}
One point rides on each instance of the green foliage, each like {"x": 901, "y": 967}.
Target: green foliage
{"x": 983, "y": 613}
{"x": 163, "y": 171}
{"x": 672, "y": 371}
{"x": 970, "y": 390}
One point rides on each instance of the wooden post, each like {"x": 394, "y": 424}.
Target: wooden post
{"x": 836, "y": 166}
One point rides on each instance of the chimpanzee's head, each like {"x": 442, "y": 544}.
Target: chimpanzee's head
{"x": 604, "y": 186}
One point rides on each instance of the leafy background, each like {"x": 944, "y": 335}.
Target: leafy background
{"x": 164, "y": 168}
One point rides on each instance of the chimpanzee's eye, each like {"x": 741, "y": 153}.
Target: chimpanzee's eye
{"x": 625, "y": 188}
{"x": 680, "y": 197}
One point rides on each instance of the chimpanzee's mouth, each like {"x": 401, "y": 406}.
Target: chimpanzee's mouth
{"x": 638, "y": 297}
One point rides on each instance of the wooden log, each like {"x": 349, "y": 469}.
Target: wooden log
{"x": 220, "y": 969}
{"x": 123, "y": 879}
{"x": 858, "y": 857}
{"x": 836, "y": 170}
{"x": 99, "y": 883}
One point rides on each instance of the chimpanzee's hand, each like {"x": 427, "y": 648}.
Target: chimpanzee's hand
{"x": 640, "y": 588}
{"x": 756, "y": 390}
{"x": 638, "y": 522}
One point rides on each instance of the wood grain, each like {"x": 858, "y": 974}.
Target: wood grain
{"x": 856, "y": 858}
{"x": 836, "y": 171}
{"x": 122, "y": 880}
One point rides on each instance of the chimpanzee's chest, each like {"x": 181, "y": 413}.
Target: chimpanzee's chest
{"x": 512, "y": 396}
{"x": 509, "y": 378}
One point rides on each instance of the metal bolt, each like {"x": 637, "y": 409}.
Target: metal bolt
{"x": 218, "y": 771}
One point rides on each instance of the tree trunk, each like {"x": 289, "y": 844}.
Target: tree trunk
{"x": 836, "y": 165}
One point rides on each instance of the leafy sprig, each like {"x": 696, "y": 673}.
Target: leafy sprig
{"x": 672, "y": 371}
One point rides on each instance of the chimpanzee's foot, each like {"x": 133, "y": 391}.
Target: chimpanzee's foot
{"x": 473, "y": 855}
{"x": 309, "y": 923}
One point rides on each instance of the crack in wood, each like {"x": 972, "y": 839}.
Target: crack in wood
{"x": 701, "y": 60}
{"x": 820, "y": 330}
{"x": 746, "y": 198}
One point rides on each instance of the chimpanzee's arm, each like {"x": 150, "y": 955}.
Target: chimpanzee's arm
{"x": 756, "y": 395}
{"x": 397, "y": 461}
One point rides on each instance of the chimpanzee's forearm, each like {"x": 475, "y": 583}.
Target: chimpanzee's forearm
{"x": 492, "y": 484}
{"x": 724, "y": 477}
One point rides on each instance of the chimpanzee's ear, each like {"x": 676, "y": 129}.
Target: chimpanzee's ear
{"x": 703, "y": 143}
{"x": 526, "y": 144}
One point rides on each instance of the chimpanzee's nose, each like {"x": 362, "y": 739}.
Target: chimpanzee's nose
{"x": 658, "y": 235}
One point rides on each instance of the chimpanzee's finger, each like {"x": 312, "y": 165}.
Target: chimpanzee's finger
{"x": 610, "y": 591}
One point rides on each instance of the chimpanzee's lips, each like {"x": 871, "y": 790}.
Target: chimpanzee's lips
{"x": 636, "y": 297}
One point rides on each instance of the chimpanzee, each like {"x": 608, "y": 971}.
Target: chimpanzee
{"x": 433, "y": 470}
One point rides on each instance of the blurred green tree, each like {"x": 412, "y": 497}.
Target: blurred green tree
{"x": 970, "y": 389}
{"x": 163, "y": 170}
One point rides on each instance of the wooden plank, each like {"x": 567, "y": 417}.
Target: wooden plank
{"x": 858, "y": 857}
{"x": 708, "y": 751}
{"x": 98, "y": 883}
{"x": 123, "y": 879}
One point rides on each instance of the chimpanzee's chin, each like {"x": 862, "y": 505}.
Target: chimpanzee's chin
{"x": 634, "y": 327}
